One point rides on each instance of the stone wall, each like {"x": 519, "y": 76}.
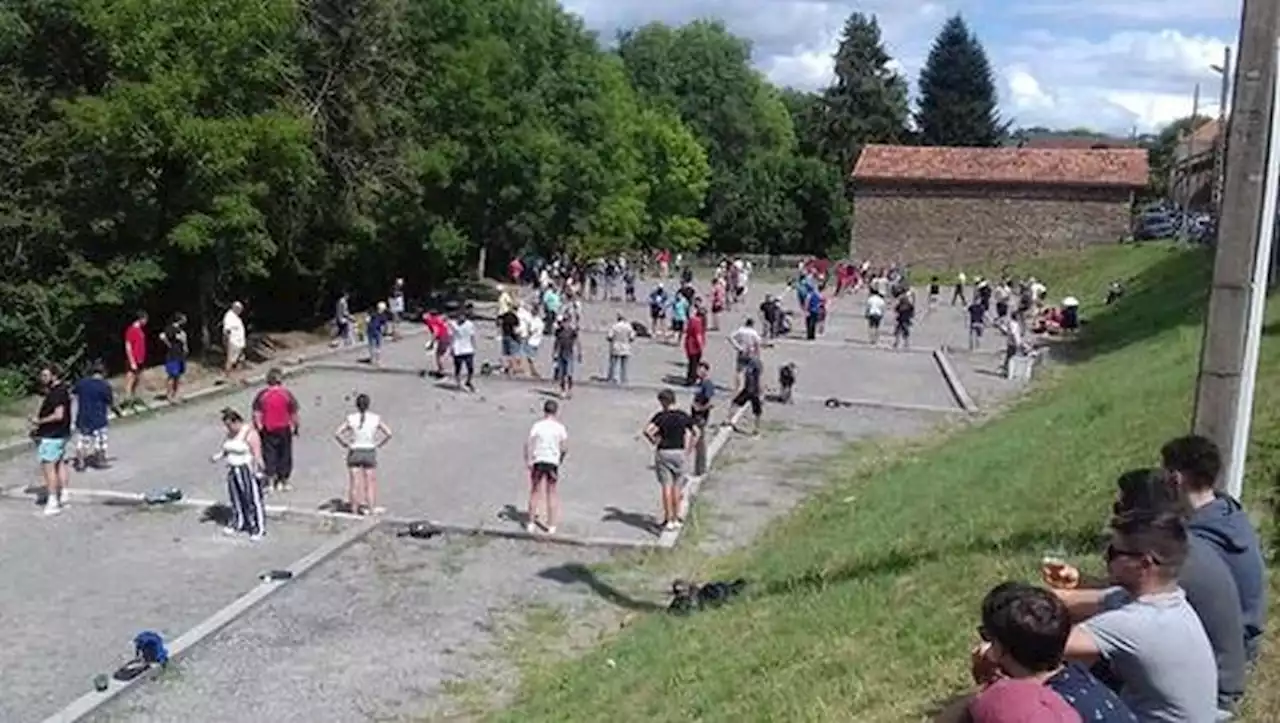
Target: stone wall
{"x": 948, "y": 227}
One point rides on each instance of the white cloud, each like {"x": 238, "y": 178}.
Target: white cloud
{"x": 1107, "y": 64}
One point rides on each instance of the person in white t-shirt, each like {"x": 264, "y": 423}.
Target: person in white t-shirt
{"x": 462, "y": 347}
{"x": 362, "y": 434}
{"x": 746, "y": 342}
{"x": 875, "y": 308}
{"x": 234, "y": 338}
{"x": 544, "y": 452}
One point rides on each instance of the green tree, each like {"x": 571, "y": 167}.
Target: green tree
{"x": 867, "y": 103}
{"x": 703, "y": 73}
{"x": 958, "y": 92}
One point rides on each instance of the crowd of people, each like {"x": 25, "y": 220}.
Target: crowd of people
{"x": 1169, "y": 635}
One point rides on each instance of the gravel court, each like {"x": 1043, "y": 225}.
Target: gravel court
{"x": 84, "y": 583}
{"x": 455, "y": 458}
{"x": 384, "y": 632}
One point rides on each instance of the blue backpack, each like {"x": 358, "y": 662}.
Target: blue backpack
{"x": 149, "y": 646}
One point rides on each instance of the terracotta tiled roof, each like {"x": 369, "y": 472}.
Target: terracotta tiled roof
{"x": 1125, "y": 167}
{"x": 1203, "y": 140}
{"x": 1078, "y": 142}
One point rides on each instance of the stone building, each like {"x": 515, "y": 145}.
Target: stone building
{"x": 943, "y": 207}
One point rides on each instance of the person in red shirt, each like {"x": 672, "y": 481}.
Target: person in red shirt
{"x": 516, "y": 270}
{"x": 275, "y": 416}
{"x": 135, "y": 358}
{"x": 695, "y": 341}
{"x": 438, "y": 326}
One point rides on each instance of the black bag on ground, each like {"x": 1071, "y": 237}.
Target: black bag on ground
{"x": 640, "y": 329}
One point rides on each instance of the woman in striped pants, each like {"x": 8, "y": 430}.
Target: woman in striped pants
{"x": 242, "y": 451}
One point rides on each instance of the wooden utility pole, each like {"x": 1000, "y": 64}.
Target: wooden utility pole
{"x": 1222, "y": 354}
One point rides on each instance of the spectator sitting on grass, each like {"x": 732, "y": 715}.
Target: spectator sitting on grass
{"x": 1219, "y": 520}
{"x": 1205, "y": 578}
{"x": 1020, "y": 662}
{"x": 1144, "y": 628}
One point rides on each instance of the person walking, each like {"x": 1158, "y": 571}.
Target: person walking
{"x": 746, "y": 342}
{"x": 362, "y": 434}
{"x": 396, "y": 303}
{"x": 544, "y": 453}
{"x": 438, "y": 342}
{"x": 673, "y": 433}
{"x": 620, "y": 336}
{"x": 749, "y": 393}
{"x": 242, "y": 452}
{"x": 51, "y": 428}
{"x": 462, "y": 346}
{"x": 135, "y": 356}
{"x": 568, "y": 353}
{"x": 874, "y": 312}
{"x": 343, "y": 322}
{"x": 812, "y": 312}
{"x": 174, "y": 337}
{"x": 94, "y": 400}
{"x": 380, "y": 323}
{"x": 275, "y": 417}
{"x": 695, "y": 343}
{"x": 537, "y": 330}
{"x": 234, "y": 339}
{"x": 904, "y": 317}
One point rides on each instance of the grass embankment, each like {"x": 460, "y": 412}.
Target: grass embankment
{"x": 865, "y": 600}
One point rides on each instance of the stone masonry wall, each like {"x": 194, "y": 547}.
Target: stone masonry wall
{"x": 953, "y": 227}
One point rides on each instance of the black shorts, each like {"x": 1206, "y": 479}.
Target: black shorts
{"x": 745, "y": 397}
{"x": 677, "y": 325}
{"x": 544, "y": 471}
{"x": 873, "y": 322}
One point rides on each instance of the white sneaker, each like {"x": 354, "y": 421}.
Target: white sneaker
{"x": 230, "y": 531}
{"x": 256, "y": 537}
{"x": 551, "y": 530}
{"x": 52, "y": 508}
{"x": 531, "y": 528}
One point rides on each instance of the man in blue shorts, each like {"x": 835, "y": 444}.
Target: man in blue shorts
{"x": 51, "y": 428}
{"x": 174, "y": 337}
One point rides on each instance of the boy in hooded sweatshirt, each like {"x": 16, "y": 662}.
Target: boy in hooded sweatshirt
{"x": 1221, "y": 521}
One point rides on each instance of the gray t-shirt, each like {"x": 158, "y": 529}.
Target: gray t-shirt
{"x": 1158, "y": 649}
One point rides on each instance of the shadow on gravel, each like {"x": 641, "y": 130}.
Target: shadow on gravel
{"x": 574, "y": 573}
{"x": 638, "y": 520}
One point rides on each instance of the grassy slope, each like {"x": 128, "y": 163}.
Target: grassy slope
{"x": 864, "y": 608}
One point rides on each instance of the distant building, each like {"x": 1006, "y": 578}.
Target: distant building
{"x": 1081, "y": 142}
{"x": 940, "y": 206}
{"x": 1191, "y": 179}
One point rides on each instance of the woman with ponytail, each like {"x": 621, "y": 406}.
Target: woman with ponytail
{"x": 361, "y": 434}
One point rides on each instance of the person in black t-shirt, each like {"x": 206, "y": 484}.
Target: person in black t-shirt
{"x": 672, "y": 433}
{"x": 51, "y": 427}
{"x": 174, "y": 337}
{"x": 906, "y": 314}
{"x": 750, "y": 393}
{"x": 509, "y": 324}
{"x": 977, "y": 323}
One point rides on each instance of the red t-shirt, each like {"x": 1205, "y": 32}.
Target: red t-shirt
{"x": 694, "y": 335}
{"x": 515, "y": 268}
{"x": 136, "y": 341}
{"x": 275, "y": 408}
{"x": 435, "y": 324}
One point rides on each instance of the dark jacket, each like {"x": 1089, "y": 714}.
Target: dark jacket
{"x": 1225, "y": 526}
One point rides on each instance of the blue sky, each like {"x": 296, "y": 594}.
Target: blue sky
{"x": 1106, "y": 64}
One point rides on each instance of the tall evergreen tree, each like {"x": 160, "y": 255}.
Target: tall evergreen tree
{"x": 958, "y": 92}
{"x": 867, "y": 103}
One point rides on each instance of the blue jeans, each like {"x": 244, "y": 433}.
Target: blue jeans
{"x": 618, "y": 368}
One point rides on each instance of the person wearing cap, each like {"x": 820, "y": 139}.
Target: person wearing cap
{"x": 1024, "y": 635}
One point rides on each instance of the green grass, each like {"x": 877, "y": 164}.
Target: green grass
{"x": 866, "y": 611}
